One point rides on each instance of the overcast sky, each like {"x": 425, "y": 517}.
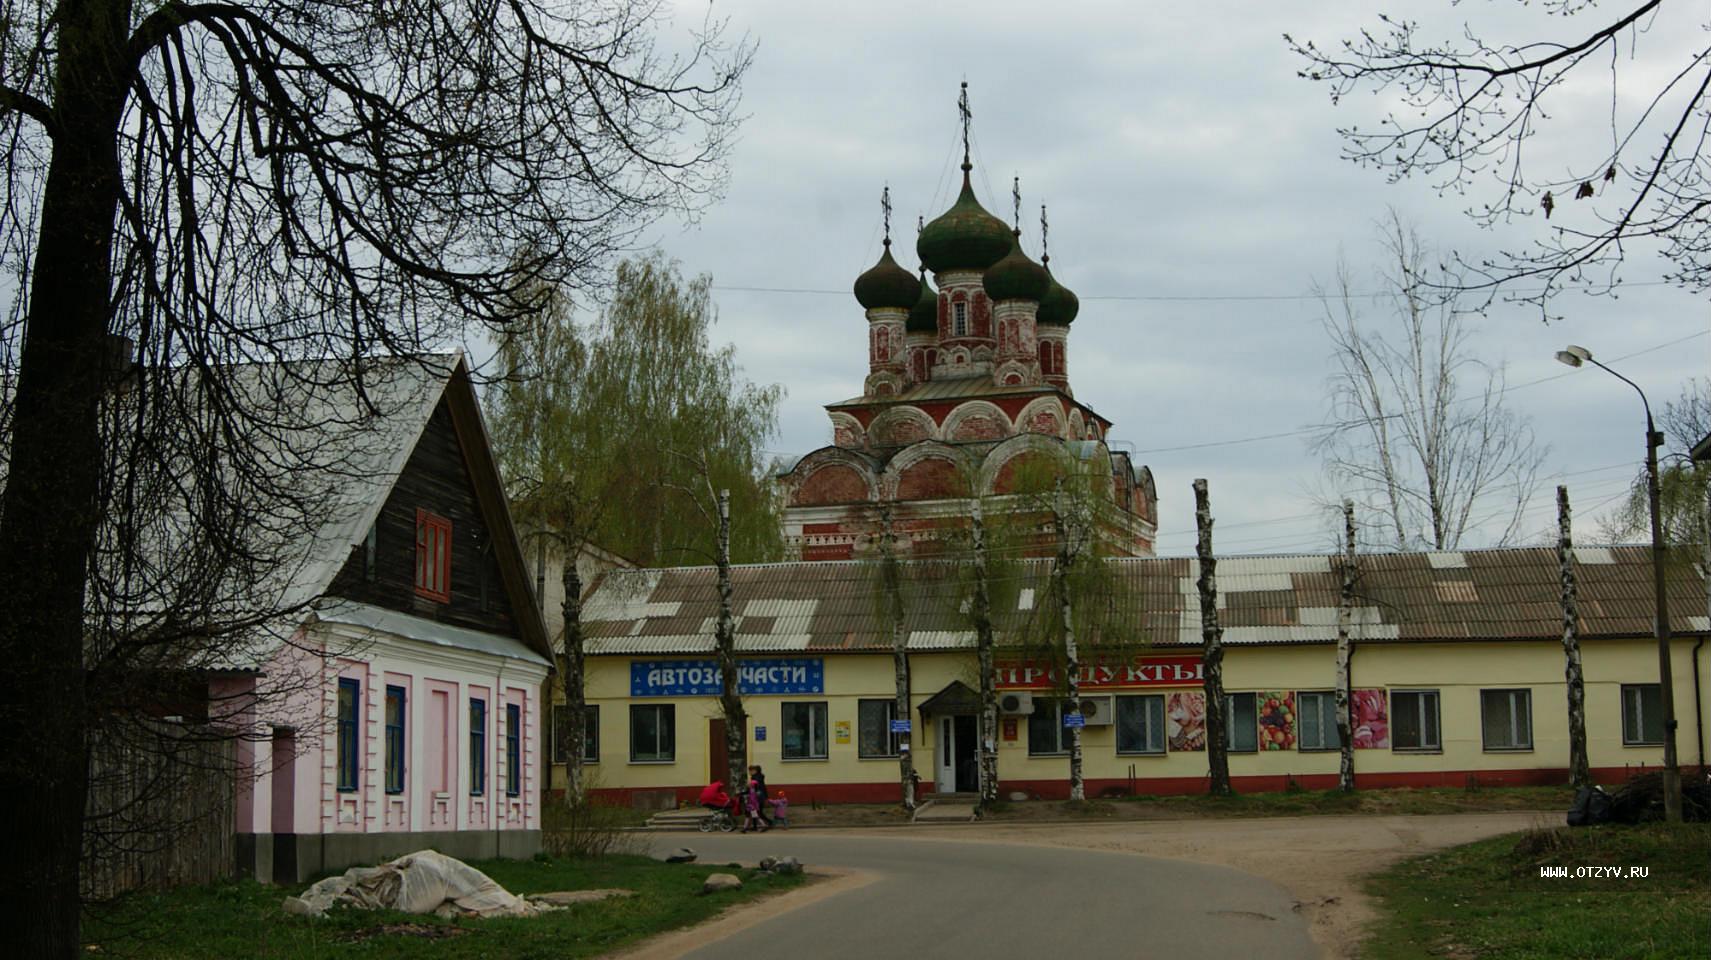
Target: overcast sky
{"x": 1196, "y": 193}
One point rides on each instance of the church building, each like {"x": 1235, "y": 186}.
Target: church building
{"x": 967, "y": 385}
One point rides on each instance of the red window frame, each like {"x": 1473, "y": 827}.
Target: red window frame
{"x": 433, "y": 556}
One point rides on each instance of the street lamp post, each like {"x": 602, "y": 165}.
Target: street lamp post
{"x": 1574, "y": 356}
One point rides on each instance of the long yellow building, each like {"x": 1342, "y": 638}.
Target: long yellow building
{"x": 1458, "y": 677}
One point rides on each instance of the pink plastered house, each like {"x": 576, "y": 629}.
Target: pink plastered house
{"x": 399, "y": 710}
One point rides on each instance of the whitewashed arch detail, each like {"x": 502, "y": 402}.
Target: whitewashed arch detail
{"x": 1050, "y": 404}
{"x": 925, "y": 450}
{"x": 1018, "y": 445}
{"x": 973, "y": 408}
{"x": 881, "y": 432}
{"x": 829, "y": 456}
{"x": 1077, "y": 426}
{"x": 848, "y": 423}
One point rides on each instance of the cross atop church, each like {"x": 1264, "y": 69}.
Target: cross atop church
{"x": 962, "y": 109}
{"x": 1016, "y": 202}
{"x": 1045, "y": 256}
{"x": 885, "y": 205}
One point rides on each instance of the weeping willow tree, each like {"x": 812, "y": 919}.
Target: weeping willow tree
{"x": 1084, "y": 613}
{"x": 609, "y": 432}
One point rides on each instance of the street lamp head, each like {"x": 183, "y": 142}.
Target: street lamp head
{"x": 1574, "y": 356}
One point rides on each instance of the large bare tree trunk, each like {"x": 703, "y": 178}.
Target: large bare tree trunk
{"x": 981, "y": 612}
{"x": 1071, "y": 656}
{"x": 49, "y": 516}
{"x": 1212, "y": 637}
{"x": 899, "y": 651}
{"x": 725, "y": 640}
{"x": 1579, "y": 768}
{"x": 575, "y": 698}
{"x": 1345, "y": 653}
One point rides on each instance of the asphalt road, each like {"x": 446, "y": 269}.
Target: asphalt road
{"x": 953, "y": 898}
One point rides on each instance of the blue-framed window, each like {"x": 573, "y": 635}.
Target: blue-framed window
{"x": 394, "y": 739}
{"x": 513, "y": 750}
{"x": 350, "y": 709}
{"x": 477, "y": 746}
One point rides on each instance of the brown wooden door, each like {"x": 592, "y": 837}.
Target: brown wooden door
{"x": 718, "y": 758}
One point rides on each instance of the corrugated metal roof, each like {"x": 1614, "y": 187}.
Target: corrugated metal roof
{"x": 1401, "y": 597}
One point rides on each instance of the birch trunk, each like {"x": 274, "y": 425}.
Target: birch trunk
{"x": 1212, "y": 637}
{"x": 575, "y": 701}
{"x": 1345, "y": 652}
{"x": 1579, "y": 768}
{"x": 982, "y": 613}
{"x": 724, "y": 638}
{"x": 1071, "y": 657}
{"x": 899, "y": 652}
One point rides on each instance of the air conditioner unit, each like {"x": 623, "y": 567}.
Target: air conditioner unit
{"x": 1098, "y": 711}
{"x": 1016, "y": 703}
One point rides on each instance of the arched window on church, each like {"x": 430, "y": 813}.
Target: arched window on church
{"x": 959, "y": 319}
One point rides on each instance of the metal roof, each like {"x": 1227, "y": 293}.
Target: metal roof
{"x": 837, "y": 607}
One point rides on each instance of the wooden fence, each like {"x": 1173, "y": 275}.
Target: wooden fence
{"x": 161, "y": 808}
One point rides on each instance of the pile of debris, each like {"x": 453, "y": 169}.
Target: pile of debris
{"x": 1640, "y": 800}
{"x": 421, "y": 882}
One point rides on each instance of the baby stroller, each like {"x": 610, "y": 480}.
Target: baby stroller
{"x": 722, "y": 819}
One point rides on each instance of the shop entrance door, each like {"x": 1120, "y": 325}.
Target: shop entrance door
{"x": 956, "y": 769}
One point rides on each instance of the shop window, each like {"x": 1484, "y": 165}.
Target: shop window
{"x": 1241, "y": 723}
{"x": 590, "y": 733}
{"x": 653, "y": 733}
{"x": 1506, "y": 719}
{"x": 1140, "y": 724}
{"x": 350, "y": 712}
{"x": 1046, "y": 735}
{"x": 1642, "y": 714}
{"x": 433, "y": 556}
{"x": 477, "y": 746}
{"x": 804, "y": 726}
{"x": 394, "y": 739}
{"x": 874, "y": 739}
{"x": 1414, "y": 720}
{"x": 1316, "y": 721}
{"x": 513, "y": 750}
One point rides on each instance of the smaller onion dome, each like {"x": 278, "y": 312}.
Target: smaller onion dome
{"x": 965, "y": 237}
{"x": 1059, "y": 306}
{"x": 1016, "y": 277}
{"x": 924, "y": 315}
{"x": 886, "y": 284}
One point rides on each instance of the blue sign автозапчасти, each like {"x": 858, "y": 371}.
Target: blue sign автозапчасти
{"x": 700, "y": 678}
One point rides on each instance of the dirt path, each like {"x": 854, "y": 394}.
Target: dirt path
{"x": 1319, "y": 859}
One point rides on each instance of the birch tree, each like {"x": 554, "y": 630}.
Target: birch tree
{"x": 1683, "y": 484}
{"x": 1418, "y": 430}
{"x": 1345, "y": 654}
{"x": 1071, "y": 535}
{"x": 229, "y": 184}
{"x": 980, "y": 611}
{"x": 1212, "y": 640}
{"x": 1579, "y": 767}
{"x": 892, "y": 587}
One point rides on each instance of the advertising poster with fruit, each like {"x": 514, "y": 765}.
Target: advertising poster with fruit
{"x": 1185, "y": 720}
{"x": 1370, "y": 716}
{"x": 1276, "y": 719}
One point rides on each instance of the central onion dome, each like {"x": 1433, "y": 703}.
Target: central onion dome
{"x": 1059, "y": 306}
{"x": 965, "y": 237}
{"x": 886, "y": 284}
{"x": 1016, "y": 277}
{"x": 924, "y": 315}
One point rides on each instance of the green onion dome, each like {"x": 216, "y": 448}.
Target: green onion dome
{"x": 924, "y": 315}
{"x": 1059, "y": 306}
{"x": 965, "y": 237}
{"x": 886, "y": 284}
{"x": 1016, "y": 277}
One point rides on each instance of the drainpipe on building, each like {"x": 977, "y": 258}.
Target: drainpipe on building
{"x": 1698, "y": 707}
{"x": 496, "y": 808}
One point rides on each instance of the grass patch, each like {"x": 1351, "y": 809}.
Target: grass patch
{"x": 1488, "y": 900}
{"x": 244, "y": 919}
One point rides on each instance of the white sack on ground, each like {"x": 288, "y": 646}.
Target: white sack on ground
{"x": 421, "y": 882}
